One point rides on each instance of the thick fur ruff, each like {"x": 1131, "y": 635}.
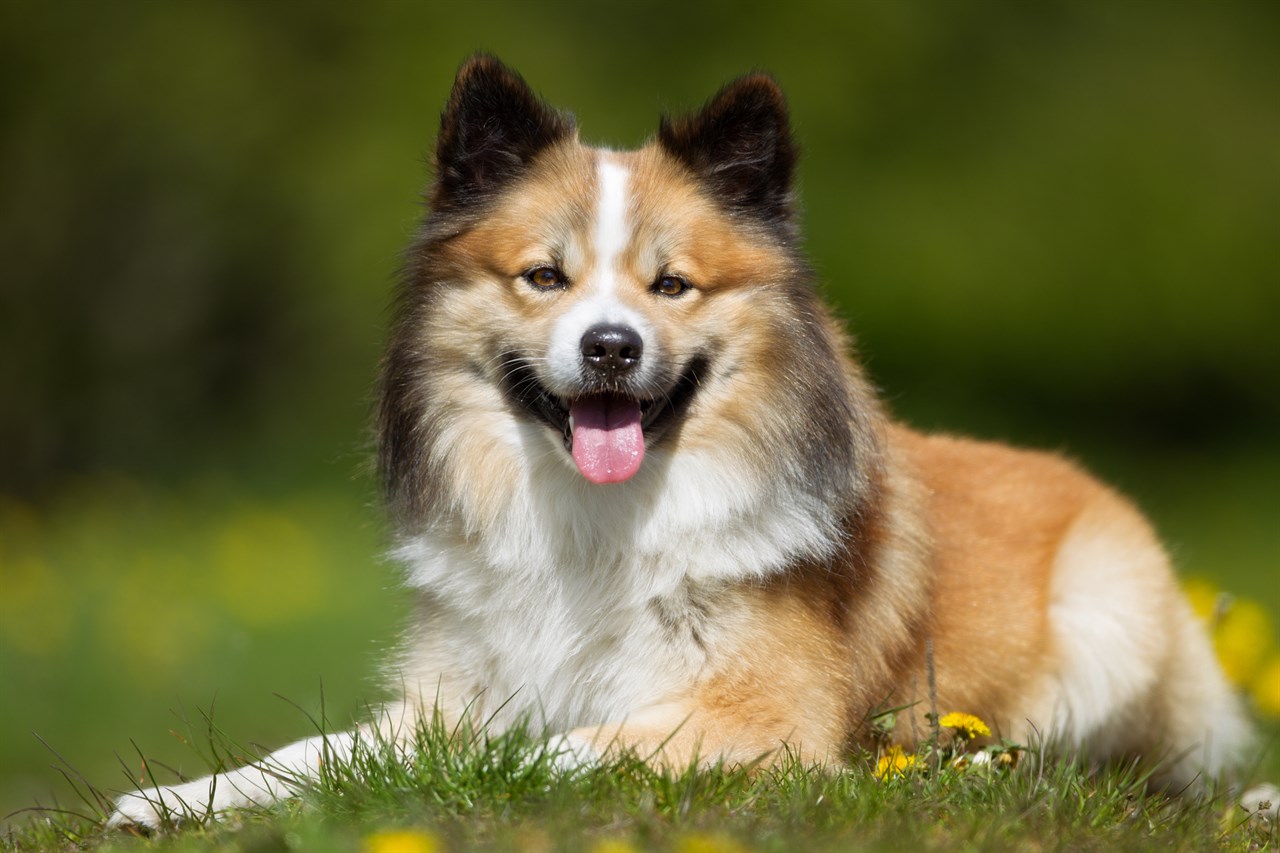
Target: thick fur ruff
{"x": 785, "y": 560}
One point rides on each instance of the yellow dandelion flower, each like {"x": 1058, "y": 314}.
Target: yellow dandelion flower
{"x": 1266, "y": 688}
{"x": 964, "y": 725}
{"x": 1243, "y": 638}
{"x": 894, "y": 762}
{"x": 402, "y": 841}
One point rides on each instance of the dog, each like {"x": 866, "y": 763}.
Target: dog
{"x": 646, "y": 499}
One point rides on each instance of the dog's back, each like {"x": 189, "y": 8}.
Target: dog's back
{"x": 1055, "y": 612}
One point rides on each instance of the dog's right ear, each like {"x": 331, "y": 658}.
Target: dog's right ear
{"x": 493, "y": 126}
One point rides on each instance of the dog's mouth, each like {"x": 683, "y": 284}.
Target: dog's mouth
{"x": 605, "y": 432}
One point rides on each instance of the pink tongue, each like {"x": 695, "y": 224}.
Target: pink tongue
{"x": 608, "y": 444}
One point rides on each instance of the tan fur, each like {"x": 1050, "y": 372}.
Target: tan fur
{"x": 967, "y": 555}
{"x": 961, "y": 550}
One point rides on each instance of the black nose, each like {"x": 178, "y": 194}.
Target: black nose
{"x": 611, "y": 350}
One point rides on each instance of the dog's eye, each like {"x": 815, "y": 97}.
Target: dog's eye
{"x": 545, "y": 278}
{"x": 670, "y": 285}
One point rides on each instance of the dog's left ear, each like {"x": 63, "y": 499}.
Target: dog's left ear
{"x": 739, "y": 145}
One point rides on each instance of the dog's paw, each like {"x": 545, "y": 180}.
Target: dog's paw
{"x": 570, "y": 753}
{"x": 1262, "y": 800}
{"x": 155, "y": 808}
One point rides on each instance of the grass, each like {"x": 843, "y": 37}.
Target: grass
{"x": 127, "y": 606}
{"x": 125, "y": 599}
{"x": 463, "y": 791}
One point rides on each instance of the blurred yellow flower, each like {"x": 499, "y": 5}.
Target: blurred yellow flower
{"x": 613, "y": 845}
{"x": 964, "y": 725}
{"x": 152, "y": 621}
{"x": 894, "y": 762}
{"x": 402, "y": 841}
{"x": 1204, "y": 597}
{"x": 1266, "y": 688}
{"x": 1243, "y": 636}
{"x": 37, "y": 607}
{"x": 702, "y": 842}
{"x": 1243, "y": 639}
{"x": 269, "y": 569}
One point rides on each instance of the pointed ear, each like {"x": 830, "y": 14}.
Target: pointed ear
{"x": 740, "y": 145}
{"x": 491, "y": 129}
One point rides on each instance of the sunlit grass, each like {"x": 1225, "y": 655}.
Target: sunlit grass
{"x": 126, "y": 608}
{"x": 131, "y": 610}
{"x": 463, "y": 790}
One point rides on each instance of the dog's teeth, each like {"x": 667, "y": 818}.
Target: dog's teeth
{"x": 571, "y": 422}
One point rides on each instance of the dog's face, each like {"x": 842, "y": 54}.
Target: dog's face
{"x": 608, "y": 307}
{"x": 605, "y": 293}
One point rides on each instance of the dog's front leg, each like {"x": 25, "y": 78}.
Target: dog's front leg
{"x": 279, "y": 775}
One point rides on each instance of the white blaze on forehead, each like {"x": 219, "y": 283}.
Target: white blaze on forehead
{"x": 612, "y": 230}
{"x": 598, "y": 300}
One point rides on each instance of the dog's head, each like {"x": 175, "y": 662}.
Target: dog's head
{"x": 613, "y": 311}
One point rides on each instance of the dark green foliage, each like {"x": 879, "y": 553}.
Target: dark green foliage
{"x": 1031, "y": 213}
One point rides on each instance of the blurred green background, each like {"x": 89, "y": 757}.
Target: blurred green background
{"x": 1053, "y": 222}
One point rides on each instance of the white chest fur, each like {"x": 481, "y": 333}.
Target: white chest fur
{"x": 580, "y": 604}
{"x": 582, "y": 645}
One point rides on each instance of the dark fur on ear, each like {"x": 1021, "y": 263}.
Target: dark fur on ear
{"x": 493, "y": 126}
{"x": 739, "y": 145}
